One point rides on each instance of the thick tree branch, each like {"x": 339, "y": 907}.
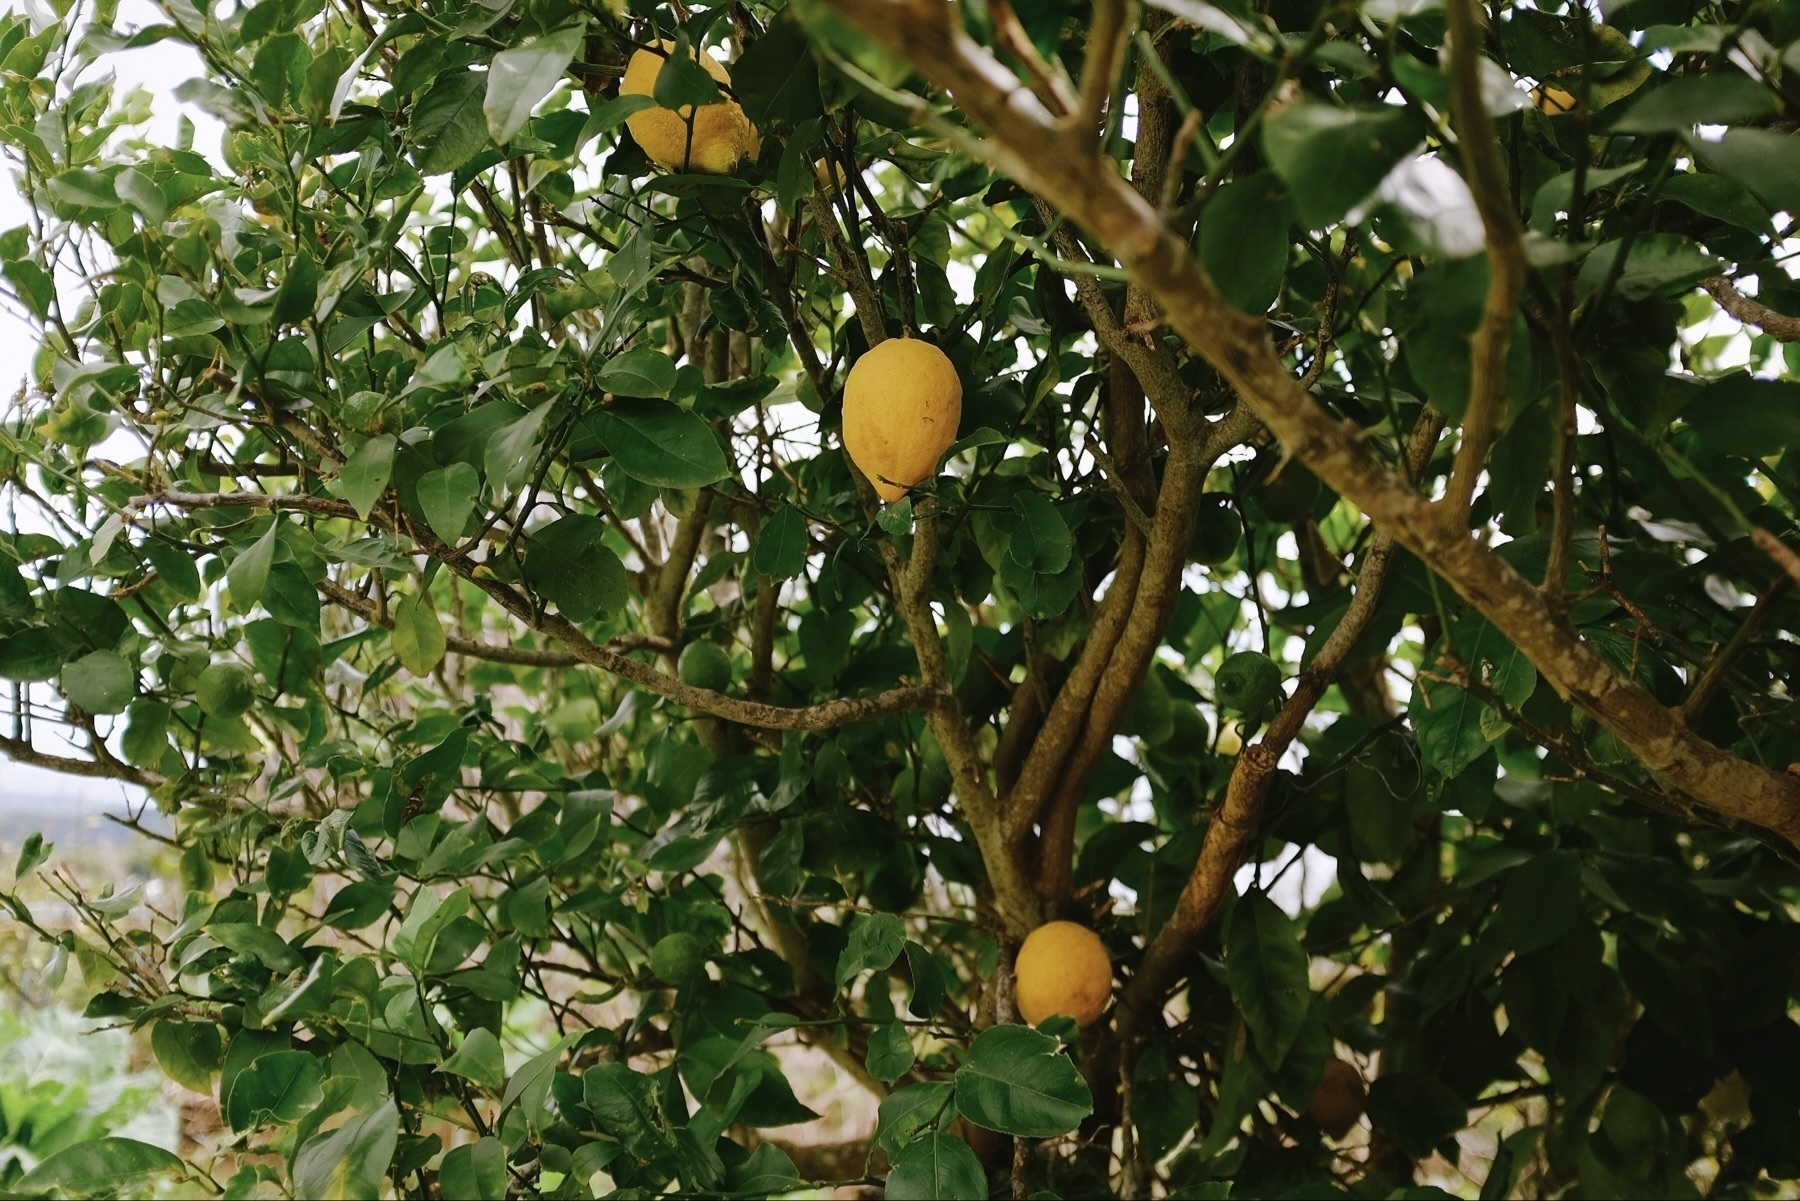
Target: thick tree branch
{"x": 1028, "y": 145}
{"x": 1751, "y": 311}
{"x": 1506, "y": 260}
{"x": 912, "y": 579}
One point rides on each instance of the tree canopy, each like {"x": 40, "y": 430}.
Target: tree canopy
{"x": 1359, "y": 588}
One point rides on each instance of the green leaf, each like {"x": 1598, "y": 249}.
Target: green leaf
{"x": 1018, "y": 1081}
{"x": 1717, "y": 196}
{"x": 448, "y": 125}
{"x": 568, "y": 562}
{"x": 189, "y": 1053}
{"x": 1555, "y": 194}
{"x": 781, "y": 544}
{"x": 146, "y": 733}
{"x": 520, "y": 77}
{"x": 447, "y": 497}
{"x": 176, "y": 569}
{"x": 1766, "y": 162}
{"x": 248, "y": 574}
{"x": 141, "y": 193}
{"x": 643, "y": 372}
{"x": 248, "y": 938}
{"x": 1542, "y": 901}
{"x": 1447, "y": 724}
{"x": 1495, "y": 659}
{"x": 906, "y": 1111}
{"x": 1266, "y": 968}
{"x": 278, "y": 1087}
{"x": 350, "y": 1162}
{"x": 623, "y": 1103}
{"x": 1041, "y": 541}
{"x": 1417, "y": 1111}
{"x": 875, "y": 942}
{"x": 1333, "y": 157}
{"x": 426, "y": 921}
{"x": 682, "y": 81}
{"x": 930, "y": 978}
{"x": 890, "y": 1054}
{"x": 1724, "y": 98}
{"x": 418, "y": 637}
{"x": 511, "y": 452}
{"x": 1244, "y": 240}
{"x": 777, "y": 80}
{"x": 475, "y": 1171}
{"x": 1658, "y": 263}
{"x": 290, "y": 597}
{"x": 100, "y": 682}
{"x": 659, "y": 444}
{"x": 479, "y": 1059}
{"x": 937, "y": 1167}
{"x": 32, "y": 854}
{"x": 1743, "y": 415}
{"x": 99, "y": 1165}
{"x": 365, "y": 474}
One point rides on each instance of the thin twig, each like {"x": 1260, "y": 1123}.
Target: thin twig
{"x": 1506, "y": 260}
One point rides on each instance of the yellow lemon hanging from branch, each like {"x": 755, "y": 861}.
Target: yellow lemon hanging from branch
{"x": 721, "y": 133}
{"x": 1062, "y": 968}
{"x": 902, "y": 403}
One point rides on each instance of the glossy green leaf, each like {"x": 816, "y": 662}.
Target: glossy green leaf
{"x": 937, "y": 1167}
{"x": 659, "y": 444}
{"x": 100, "y": 1165}
{"x": 519, "y": 78}
{"x": 1018, "y": 1081}
{"x": 1267, "y": 970}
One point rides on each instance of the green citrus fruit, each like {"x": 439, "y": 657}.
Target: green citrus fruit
{"x": 705, "y": 665}
{"x": 1287, "y": 493}
{"x": 1216, "y": 530}
{"x": 678, "y": 958}
{"x": 225, "y": 690}
{"x": 1246, "y": 683}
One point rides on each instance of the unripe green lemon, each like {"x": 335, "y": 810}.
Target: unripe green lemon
{"x": 704, "y": 665}
{"x": 678, "y": 958}
{"x": 1216, "y": 530}
{"x": 1287, "y": 493}
{"x": 225, "y": 690}
{"x": 1246, "y": 683}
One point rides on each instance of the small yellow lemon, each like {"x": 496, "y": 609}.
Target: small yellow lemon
{"x": 828, "y": 172}
{"x": 902, "y": 402}
{"x": 721, "y": 133}
{"x": 1552, "y": 101}
{"x": 1063, "y": 968}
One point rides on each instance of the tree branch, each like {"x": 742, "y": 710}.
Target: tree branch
{"x": 1751, "y": 311}
{"x": 366, "y": 608}
{"x": 20, "y": 750}
{"x": 1234, "y": 823}
{"x": 1506, "y": 260}
{"x": 1027, "y": 144}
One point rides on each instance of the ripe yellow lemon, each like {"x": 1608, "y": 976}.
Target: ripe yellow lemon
{"x": 1552, "y": 101}
{"x": 902, "y": 402}
{"x": 1063, "y": 968}
{"x": 722, "y": 134}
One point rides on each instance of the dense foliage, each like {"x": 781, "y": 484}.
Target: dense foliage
{"x": 439, "y": 509}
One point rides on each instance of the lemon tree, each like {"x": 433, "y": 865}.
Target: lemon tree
{"x": 620, "y": 554}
